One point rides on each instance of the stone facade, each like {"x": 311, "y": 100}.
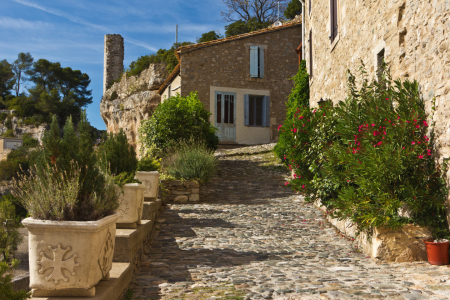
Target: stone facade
{"x": 180, "y": 191}
{"x": 225, "y": 64}
{"x": 113, "y": 60}
{"x": 412, "y": 35}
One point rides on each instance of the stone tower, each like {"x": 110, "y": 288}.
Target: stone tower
{"x": 113, "y": 61}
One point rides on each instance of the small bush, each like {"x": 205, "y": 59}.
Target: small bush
{"x": 117, "y": 155}
{"x": 114, "y": 96}
{"x": 124, "y": 178}
{"x": 176, "y": 119}
{"x": 8, "y": 123}
{"x": 3, "y": 117}
{"x": 10, "y": 237}
{"x": 191, "y": 160}
{"x": 67, "y": 184}
{"x": 149, "y": 164}
{"x": 6, "y": 287}
{"x": 29, "y": 141}
{"x": 8, "y": 133}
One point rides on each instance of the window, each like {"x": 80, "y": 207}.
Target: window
{"x": 380, "y": 62}
{"x": 310, "y": 55}
{"x": 309, "y": 6}
{"x": 225, "y": 108}
{"x": 333, "y": 19}
{"x": 256, "y": 62}
{"x": 257, "y": 111}
{"x": 169, "y": 93}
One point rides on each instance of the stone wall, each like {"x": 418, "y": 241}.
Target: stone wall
{"x": 414, "y": 35}
{"x": 227, "y": 65}
{"x": 19, "y": 129}
{"x": 135, "y": 99}
{"x": 113, "y": 59}
{"x": 180, "y": 191}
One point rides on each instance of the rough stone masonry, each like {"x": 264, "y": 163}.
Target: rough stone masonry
{"x": 412, "y": 36}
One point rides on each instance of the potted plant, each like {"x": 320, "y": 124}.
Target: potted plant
{"x": 131, "y": 200}
{"x": 117, "y": 157}
{"x": 437, "y": 251}
{"x": 72, "y": 205}
{"x": 148, "y": 173}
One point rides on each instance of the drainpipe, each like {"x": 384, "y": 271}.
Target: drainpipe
{"x": 303, "y": 29}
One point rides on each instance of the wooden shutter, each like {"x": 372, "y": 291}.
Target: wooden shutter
{"x": 254, "y": 61}
{"x": 261, "y": 62}
{"x": 266, "y": 112}
{"x": 310, "y": 55}
{"x": 246, "y": 110}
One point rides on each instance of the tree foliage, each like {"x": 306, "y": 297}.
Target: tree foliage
{"x": 293, "y": 9}
{"x": 176, "y": 119}
{"x": 209, "y": 36}
{"x": 7, "y": 80}
{"x": 161, "y": 56}
{"x": 22, "y": 68}
{"x": 240, "y": 26}
{"x": 261, "y": 10}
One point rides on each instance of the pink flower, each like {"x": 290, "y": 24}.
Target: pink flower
{"x": 425, "y": 123}
{"x": 413, "y": 143}
{"x": 398, "y": 117}
{"x": 359, "y": 162}
{"x": 417, "y": 126}
{"x": 387, "y": 98}
{"x": 279, "y": 127}
{"x": 420, "y": 156}
{"x": 379, "y": 143}
{"x": 373, "y": 125}
{"x": 303, "y": 186}
{"x": 286, "y": 183}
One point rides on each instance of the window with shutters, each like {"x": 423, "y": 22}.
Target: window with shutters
{"x": 333, "y": 20}
{"x": 310, "y": 55}
{"x": 256, "y": 62}
{"x": 257, "y": 110}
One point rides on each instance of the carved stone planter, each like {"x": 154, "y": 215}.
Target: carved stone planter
{"x": 131, "y": 201}
{"x": 69, "y": 258}
{"x": 151, "y": 182}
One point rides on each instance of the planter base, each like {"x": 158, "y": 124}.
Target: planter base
{"x": 65, "y": 293}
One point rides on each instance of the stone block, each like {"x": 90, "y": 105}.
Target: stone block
{"x": 175, "y": 183}
{"x": 184, "y": 192}
{"x": 194, "y": 197}
{"x": 195, "y": 190}
{"x": 181, "y": 199}
{"x": 120, "y": 279}
{"x": 150, "y": 210}
{"x": 130, "y": 241}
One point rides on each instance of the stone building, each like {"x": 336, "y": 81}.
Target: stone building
{"x": 243, "y": 80}
{"x": 114, "y": 53}
{"x": 412, "y": 36}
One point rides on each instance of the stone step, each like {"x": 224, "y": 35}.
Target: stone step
{"x": 113, "y": 289}
{"x": 130, "y": 242}
{"x": 151, "y": 209}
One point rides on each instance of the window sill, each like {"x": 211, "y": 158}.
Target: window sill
{"x": 336, "y": 40}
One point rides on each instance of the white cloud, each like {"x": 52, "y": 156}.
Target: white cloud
{"x": 10, "y": 23}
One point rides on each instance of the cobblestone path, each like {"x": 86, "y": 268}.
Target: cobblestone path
{"x": 252, "y": 238}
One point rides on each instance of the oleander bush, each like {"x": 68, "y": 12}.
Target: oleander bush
{"x": 372, "y": 157}
{"x": 190, "y": 159}
{"x": 177, "y": 119}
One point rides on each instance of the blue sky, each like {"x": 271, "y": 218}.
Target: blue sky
{"x": 72, "y": 31}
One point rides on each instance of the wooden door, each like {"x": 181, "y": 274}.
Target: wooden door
{"x": 225, "y": 116}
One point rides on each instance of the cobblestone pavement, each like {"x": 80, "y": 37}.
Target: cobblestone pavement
{"x": 252, "y": 238}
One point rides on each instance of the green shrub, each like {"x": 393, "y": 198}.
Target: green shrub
{"x": 10, "y": 237}
{"x": 191, "y": 160}
{"x": 114, "y": 96}
{"x": 6, "y": 287}
{"x": 178, "y": 118}
{"x": 370, "y": 156}
{"x": 8, "y": 133}
{"x": 124, "y": 178}
{"x": 3, "y": 117}
{"x": 149, "y": 164}
{"x": 298, "y": 100}
{"x": 29, "y": 141}
{"x": 117, "y": 155}
{"x": 67, "y": 184}
{"x": 8, "y": 123}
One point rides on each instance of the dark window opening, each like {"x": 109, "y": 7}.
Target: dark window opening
{"x": 219, "y": 108}
{"x": 256, "y": 110}
{"x": 310, "y": 55}
{"x": 334, "y": 19}
{"x": 380, "y": 62}
{"x": 309, "y": 6}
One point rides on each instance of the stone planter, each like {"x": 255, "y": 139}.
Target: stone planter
{"x": 131, "y": 202}
{"x": 151, "y": 182}
{"x": 69, "y": 258}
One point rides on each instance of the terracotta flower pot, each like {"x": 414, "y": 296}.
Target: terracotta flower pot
{"x": 437, "y": 253}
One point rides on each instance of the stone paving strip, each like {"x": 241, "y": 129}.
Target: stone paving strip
{"x": 253, "y": 238}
